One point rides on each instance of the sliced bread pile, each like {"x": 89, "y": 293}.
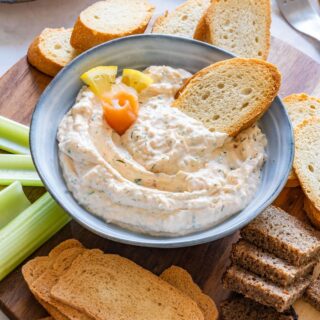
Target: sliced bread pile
{"x": 230, "y": 95}
{"x": 241, "y": 308}
{"x": 273, "y": 262}
{"x": 240, "y": 26}
{"x": 73, "y": 282}
{"x": 300, "y": 107}
{"x": 102, "y": 21}
{"x": 307, "y": 165}
{"x": 183, "y": 20}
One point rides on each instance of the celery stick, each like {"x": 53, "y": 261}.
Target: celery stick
{"x": 14, "y": 136}
{"x": 14, "y": 167}
{"x": 28, "y": 231}
{"x": 12, "y": 202}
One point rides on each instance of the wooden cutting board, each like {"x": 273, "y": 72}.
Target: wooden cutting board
{"x": 20, "y": 89}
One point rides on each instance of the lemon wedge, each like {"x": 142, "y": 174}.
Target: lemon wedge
{"x": 136, "y": 79}
{"x": 100, "y": 79}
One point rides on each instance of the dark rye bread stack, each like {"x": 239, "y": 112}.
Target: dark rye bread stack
{"x": 273, "y": 262}
{"x": 241, "y": 308}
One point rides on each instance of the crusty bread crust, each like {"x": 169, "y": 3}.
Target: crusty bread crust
{"x": 293, "y": 180}
{"x": 255, "y": 115}
{"x": 187, "y": 8}
{"x": 202, "y": 31}
{"x": 40, "y": 61}
{"x": 160, "y": 21}
{"x": 205, "y": 32}
{"x": 85, "y": 36}
{"x": 299, "y": 165}
{"x": 312, "y": 212}
{"x": 289, "y": 102}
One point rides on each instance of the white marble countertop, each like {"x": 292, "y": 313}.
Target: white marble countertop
{"x": 20, "y": 23}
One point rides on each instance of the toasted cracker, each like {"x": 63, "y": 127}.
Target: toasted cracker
{"x": 107, "y": 286}
{"x": 42, "y": 286}
{"x": 31, "y": 271}
{"x": 35, "y": 268}
{"x": 67, "y": 244}
{"x": 182, "y": 280}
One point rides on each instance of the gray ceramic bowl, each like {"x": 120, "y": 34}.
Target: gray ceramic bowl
{"x": 139, "y": 52}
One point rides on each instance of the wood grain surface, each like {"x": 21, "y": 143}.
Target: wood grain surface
{"x": 20, "y": 89}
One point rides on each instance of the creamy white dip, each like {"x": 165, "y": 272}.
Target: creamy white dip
{"x": 167, "y": 175}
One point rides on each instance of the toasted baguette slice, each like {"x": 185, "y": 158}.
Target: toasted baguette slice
{"x": 262, "y": 291}
{"x": 283, "y": 235}
{"x": 230, "y": 95}
{"x": 106, "y": 286}
{"x": 300, "y": 107}
{"x": 110, "y": 19}
{"x": 240, "y": 26}
{"x": 312, "y": 212}
{"x": 307, "y": 154}
{"x": 51, "y": 50}
{"x": 183, "y": 20}
{"x": 241, "y": 308}
{"x": 267, "y": 265}
{"x": 182, "y": 280}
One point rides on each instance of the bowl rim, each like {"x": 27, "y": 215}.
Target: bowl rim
{"x": 156, "y": 242}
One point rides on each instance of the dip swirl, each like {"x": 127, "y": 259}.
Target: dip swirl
{"x": 168, "y": 175}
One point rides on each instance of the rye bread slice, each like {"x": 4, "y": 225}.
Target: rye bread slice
{"x": 110, "y": 287}
{"x": 267, "y": 265}
{"x": 241, "y": 308}
{"x": 182, "y": 280}
{"x": 263, "y": 291}
{"x": 312, "y": 294}
{"x": 283, "y": 235}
